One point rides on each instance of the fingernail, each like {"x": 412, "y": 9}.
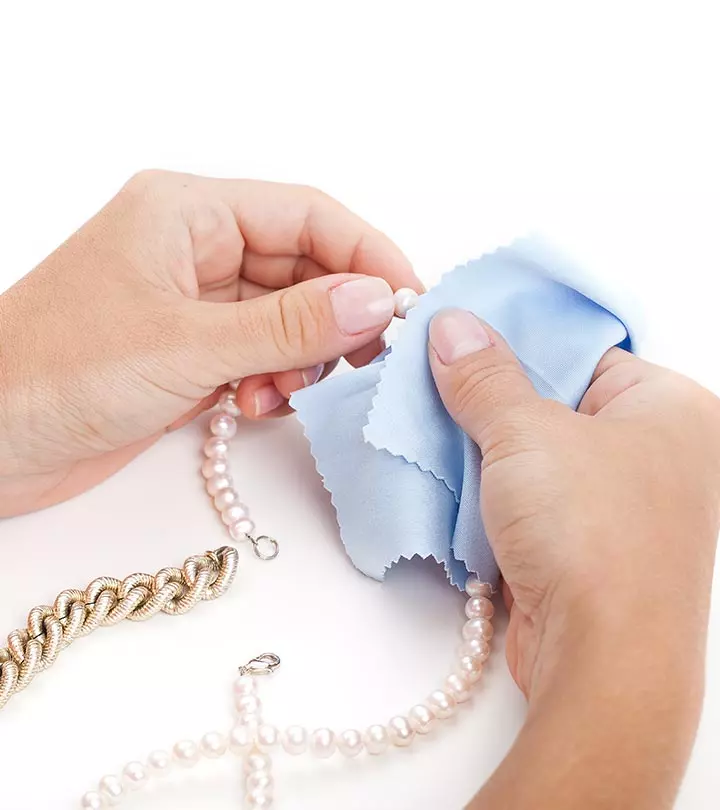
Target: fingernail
{"x": 312, "y": 375}
{"x": 267, "y": 399}
{"x": 362, "y": 305}
{"x": 456, "y": 333}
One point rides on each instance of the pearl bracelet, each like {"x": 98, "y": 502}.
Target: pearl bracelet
{"x": 251, "y": 738}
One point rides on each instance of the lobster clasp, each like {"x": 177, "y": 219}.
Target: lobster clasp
{"x": 264, "y": 664}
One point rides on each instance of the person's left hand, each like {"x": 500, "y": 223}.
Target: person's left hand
{"x": 179, "y": 285}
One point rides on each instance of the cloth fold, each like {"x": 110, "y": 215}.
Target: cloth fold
{"x": 404, "y": 478}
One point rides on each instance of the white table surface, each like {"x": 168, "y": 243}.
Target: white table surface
{"x": 451, "y": 129}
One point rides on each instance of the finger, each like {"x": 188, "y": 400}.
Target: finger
{"x": 299, "y": 327}
{"x": 361, "y": 357}
{"x": 286, "y": 220}
{"x": 257, "y": 396}
{"x": 286, "y": 270}
{"x": 477, "y": 375}
{"x": 617, "y": 372}
{"x": 287, "y": 382}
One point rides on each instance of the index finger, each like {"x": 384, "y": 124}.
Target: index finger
{"x": 281, "y": 222}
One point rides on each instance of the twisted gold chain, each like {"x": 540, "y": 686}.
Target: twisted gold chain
{"x": 106, "y": 601}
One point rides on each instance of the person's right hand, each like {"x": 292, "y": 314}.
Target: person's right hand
{"x": 603, "y": 522}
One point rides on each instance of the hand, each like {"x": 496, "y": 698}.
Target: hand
{"x": 177, "y": 286}
{"x": 604, "y": 524}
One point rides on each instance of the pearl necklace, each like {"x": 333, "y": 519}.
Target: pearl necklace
{"x": 252, "y": 739}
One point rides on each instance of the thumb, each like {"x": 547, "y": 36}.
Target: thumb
{"x": 301, "y": 326}
{"x": 479, "y": 378}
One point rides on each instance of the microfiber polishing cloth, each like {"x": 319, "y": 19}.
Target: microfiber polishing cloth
{"x": 404, "y": 478}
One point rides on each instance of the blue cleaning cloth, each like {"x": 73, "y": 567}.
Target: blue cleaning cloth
{"x": 404, "y": 478}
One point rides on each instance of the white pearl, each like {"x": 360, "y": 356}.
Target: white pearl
{"x": 350, "y": 743}
{"x": 214, "y": 466}
{"x": 478, "y": 628}
{"x": 479, "y": 608}
{"x": 477, "y": 648}
{"x": 248, "y": 705}
{"x": 259, "y": 780}
{"x": 256, "y": 761}
{"x": 405, "y": 299}
{"x": 223, "y": 426}
{"x": 442, "y": 704}
{"x": 476, "y": 587}
{"x": 234, "y": 384}
{"x": 228, "y": 403}
{"x": 92, "y": 800}
{"x": 421, "y": 719}
{"x": 294, "y": 740}
{"x": 241, "y": 529}
{"x": 400, "y": 731}
{"x": 111, "y": 789}
{"x": 186, "y": 753}
{"x": 268, "y": 736}
{"x": 458, "y": 686}
{"x": 242, "y": 738}
{"x": 159, "y": 763}
{"x": 226, "y": 498}
{"x": 471, "y": 668}
{"x": 216, "y": 448}
{"x": 376, "y": 739}
{"x": 218, "y": 483}
{"x": 258, "y": 800}
{"x": 322, "y": 743}
{"x": 135, "y": 775}
{"x": 233, "y": 513}
{"x": 245, "y": 685}
{"x": 213, "y": 744}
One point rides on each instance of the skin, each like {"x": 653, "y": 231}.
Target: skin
{"x": 604, "y": 522}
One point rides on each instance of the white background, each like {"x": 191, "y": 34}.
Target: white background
{"x": 452, "y": 126}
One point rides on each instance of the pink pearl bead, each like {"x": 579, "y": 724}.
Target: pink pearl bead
{"x": 479, "y": 608}
{"x": 244, "y": 685}
{"x": 223, "y": 426}
{"x": 234, "y": 513}
{"x": 228, "y": 403}
{"x": 217, "y": 483}
{"x": 458, "y": 686}
{"x": 242, "y": 529}
{"x": 478, "y": 628}
{"x": 476, "y": 587}
{"x": 477, "y": 648}
{"x": 470, "y": 668}
{"x": 216, "y": 447}
{"x": 214, "y": 466}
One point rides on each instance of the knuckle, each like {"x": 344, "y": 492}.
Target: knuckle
{"x": 483, "y": 383}
{"x": 147, "y": 179}
{"x": 297, "y": 327}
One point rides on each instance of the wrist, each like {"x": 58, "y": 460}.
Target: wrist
{"x": 613, "y": 709}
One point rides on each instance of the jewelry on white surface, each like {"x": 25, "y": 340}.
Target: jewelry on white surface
{"x": 255, "y": 741}
{"x": 106, "y": 601}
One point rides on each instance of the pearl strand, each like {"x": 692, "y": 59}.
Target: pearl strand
{"x": 254, "y": 740}
{"x": 219, "y": 481}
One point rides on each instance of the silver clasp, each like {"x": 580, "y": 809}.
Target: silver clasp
{"x": 264, "y": 664}
{"x": 265, "y": 547}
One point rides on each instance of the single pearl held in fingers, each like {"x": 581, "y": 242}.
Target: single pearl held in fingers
{"x": 405, "y": 299}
